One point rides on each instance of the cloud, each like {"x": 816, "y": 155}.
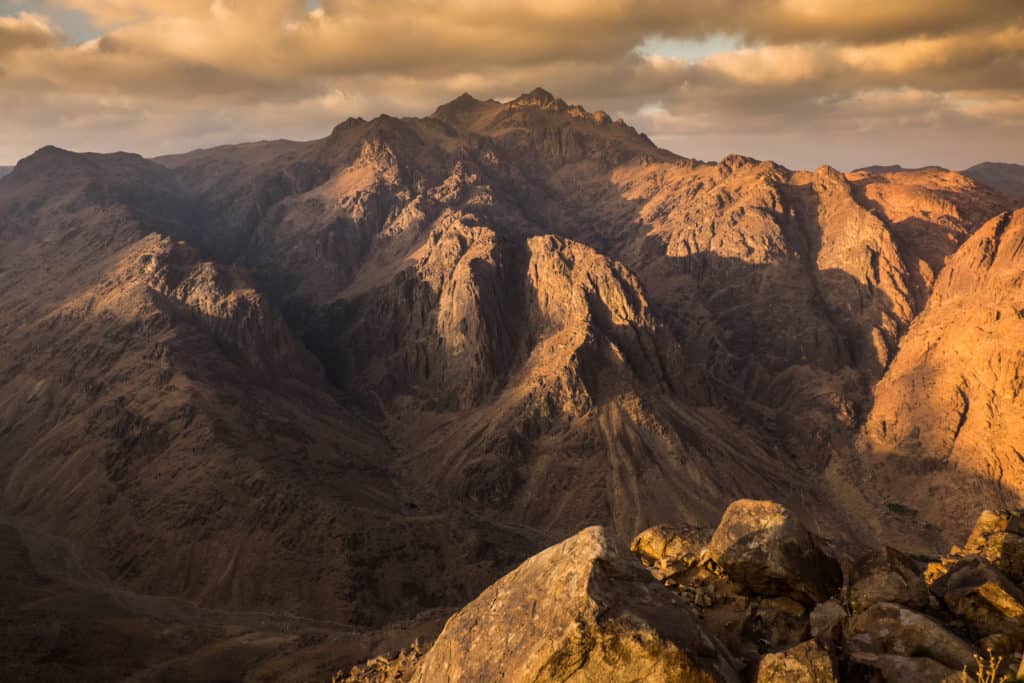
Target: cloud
{"x": 26, "y": 31}
{"x": 188, "y": 72}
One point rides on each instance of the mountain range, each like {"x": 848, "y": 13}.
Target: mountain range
{"x": 296, "y": 401}
{"x": 1007, "y": 178}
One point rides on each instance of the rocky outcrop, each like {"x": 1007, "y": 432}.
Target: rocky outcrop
{"x": 765, "y": 548}
{"x": 887, "y": 624}
{"x": 580, "y": 610}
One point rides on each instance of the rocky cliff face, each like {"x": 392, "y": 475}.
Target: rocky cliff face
{"x": 361, "y": 376}
{"x": 952, "y": 398}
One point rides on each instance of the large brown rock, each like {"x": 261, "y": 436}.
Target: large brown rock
{"x": 887, "y": 628}
{"x": 804, "y": 663}
{"x": 826, "y": 622}
{"x": 982, "y": 595}
{"x": 887, "y": 575}
{"x": 670, "y": 550}
{"x": 762, "y": 546}
{"x": 999, "y": 538}
{"x": 580, "y": 610}
{"x": 900, "y": 669}
{"x": 775, "y": 623}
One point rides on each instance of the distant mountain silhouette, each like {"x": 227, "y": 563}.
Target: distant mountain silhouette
{"x": 1007, "y": 178}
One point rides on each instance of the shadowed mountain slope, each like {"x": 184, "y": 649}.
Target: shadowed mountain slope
{"x": 1006, "y": 178}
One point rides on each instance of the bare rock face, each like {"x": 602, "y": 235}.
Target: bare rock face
{"x": 887, "y": 575}
{"x": 582, "y": 611}
{"x": 952, "y": 397}
{"x": 762, "y": 546}
{"x": 859, "y": 261}
{"x": 805, "y": 663}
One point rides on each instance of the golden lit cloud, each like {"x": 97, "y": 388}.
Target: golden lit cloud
{"x": 182, "y": 73}
{"x": 26, "y": 30}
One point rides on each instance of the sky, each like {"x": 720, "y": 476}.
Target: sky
{"x": 802, "y": 82}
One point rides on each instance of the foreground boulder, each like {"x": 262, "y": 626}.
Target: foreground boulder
{"x": 999, "y": 538}
{"x": 763, "y": 547}
{"x": 762, "y": 598}
{"x": 899, "y": 669}
{"x": 891, "y": 629}
{"x": 826, "y": 622}
{"x": 582, "y": 610}
{"x": 887, "y": 575}
{"x": 670, "y": 550}
{"x": 984, "y": 598}
{"x": 775, "y": 623}
{"x": 805, "y": 663}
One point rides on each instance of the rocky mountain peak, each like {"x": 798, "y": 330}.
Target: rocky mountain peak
{"x": 735, "y": 162}
{"x": 828, "y": 177}
{"x": 50, "y": 160}
{"x": 541, "y": 99}
{"x": 349, "y": 123}
{"x": 462, "y": 103}
{"x": 463, "y": 110}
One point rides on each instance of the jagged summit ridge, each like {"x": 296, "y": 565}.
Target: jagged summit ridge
{"x": 466, "y": 110}
{"x": 540, "y": 98}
